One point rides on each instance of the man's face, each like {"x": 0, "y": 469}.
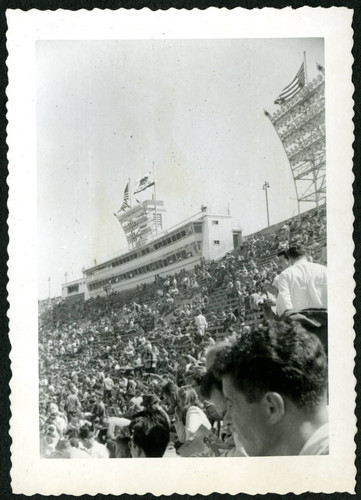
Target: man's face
{"x": 246, "y": 419}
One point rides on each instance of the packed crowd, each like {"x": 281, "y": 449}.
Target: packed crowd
{"x": 142, "y": 374}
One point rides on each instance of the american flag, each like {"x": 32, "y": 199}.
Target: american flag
{"x": 125, "y": 204}
{"x": 320, "y": 68}
{"x": 144, "y": 183}
{"x": 293, "y": 88}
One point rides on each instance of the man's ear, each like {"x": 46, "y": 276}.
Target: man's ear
{"x": 273, "y": 407}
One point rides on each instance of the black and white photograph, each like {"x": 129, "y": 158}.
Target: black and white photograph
{"x": 176, "y": 181}
{"x": 182, "y": 253}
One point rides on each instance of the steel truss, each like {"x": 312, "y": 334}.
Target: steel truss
{"x": 300, "y": 125}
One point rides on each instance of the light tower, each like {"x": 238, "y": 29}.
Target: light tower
{"x": 300, "y": 125}
{"x": 265, "y": 187}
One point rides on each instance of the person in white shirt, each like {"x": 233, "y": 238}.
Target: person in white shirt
{"x": 303, "y": 285}
{"x": 90, "y": 445}
{"x": 108, "y": 386}
{"x": 275, "y": 383}
{"x": 303, "y": 294}
{"x": 201, "y": 324}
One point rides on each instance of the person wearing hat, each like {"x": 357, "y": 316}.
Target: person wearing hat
{"x": 151, "y": 402}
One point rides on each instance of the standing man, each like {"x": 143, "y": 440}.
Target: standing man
{"x": 108, "y": 386}
{"x": 303, "y": 285}
{"x": 201, "y": 324}
{"x": 230, "y": 291}
{"x": 72, "y": 405}
{"x": 302, "y": 293}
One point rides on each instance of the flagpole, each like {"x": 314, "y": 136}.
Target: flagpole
{"x": 305, "y": 65}
{"x": 155, "y": 204}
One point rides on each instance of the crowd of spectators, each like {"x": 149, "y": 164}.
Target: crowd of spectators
{"x": 114, "y": 366}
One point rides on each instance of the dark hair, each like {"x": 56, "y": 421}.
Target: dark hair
{"x": 284, "y": 358}
{"x": 85, "y": 432}
{"x": 209, "y": 383}
{"x": 150, "y": 431}
{"x": 283, "y": 253}
{"x": 170, "y": 388}
{"x": 102, "y": 436}
{"x": 296, "y": 251}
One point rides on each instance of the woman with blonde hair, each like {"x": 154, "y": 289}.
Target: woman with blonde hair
{"x": 189, "y": 414}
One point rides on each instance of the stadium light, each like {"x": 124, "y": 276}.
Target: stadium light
{"x": 265, "y": 187}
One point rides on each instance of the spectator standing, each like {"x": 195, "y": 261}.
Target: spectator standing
{"x": 303, "y": 293}
{"x": 108, "y": 386}
{"x": 230, "y": 290}
{"x": 303, "y": 285}
{"x": 201, "y": 324}
{"x": 72, "y": 404}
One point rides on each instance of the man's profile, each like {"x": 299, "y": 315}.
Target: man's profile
{"x": 275, "y": 383}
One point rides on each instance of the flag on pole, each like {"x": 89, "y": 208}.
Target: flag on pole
{"x": 320, "y": 68}
{"x": 125, "y": 204}
{"x": 144, "y": 183}
{"x": 293, "y": 88}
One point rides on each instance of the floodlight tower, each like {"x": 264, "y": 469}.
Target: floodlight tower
{"x": 300, "y": 125}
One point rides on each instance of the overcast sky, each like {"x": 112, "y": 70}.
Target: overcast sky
{"x": 106, "y": 110}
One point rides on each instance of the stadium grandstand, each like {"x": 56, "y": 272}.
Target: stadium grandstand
{"x": 134, "y": 335}
{"x": 148, "y": 334}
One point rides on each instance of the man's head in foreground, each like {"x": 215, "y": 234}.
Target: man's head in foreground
{"x": 275, "y": 384}
{"x": 149, "y": 434}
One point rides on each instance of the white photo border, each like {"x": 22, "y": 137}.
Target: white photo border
{"x": 30, "y": 474}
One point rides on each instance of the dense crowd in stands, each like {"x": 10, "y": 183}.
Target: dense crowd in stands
{"x": 140, "y": 373}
